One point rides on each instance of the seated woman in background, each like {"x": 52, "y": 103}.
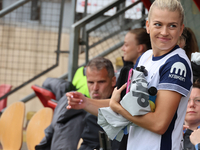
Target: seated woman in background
{"x": 192, "y": 118}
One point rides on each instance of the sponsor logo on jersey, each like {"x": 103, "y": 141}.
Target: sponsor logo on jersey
{"x": 178, "y": 71}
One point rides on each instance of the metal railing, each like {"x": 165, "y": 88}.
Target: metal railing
{"x": 22, "y": 33}
{"x": 98, "y": 33}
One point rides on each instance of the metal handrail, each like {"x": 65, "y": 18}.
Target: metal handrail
{"x": 13, "y": 7}
{"x": 114, "y": 16}
{"x": 74, "y": 36}
{"x": 33, "y": 95}
{"x": 90, "y": 18}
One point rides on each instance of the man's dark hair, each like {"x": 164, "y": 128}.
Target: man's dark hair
{"x": 99, "y": 63}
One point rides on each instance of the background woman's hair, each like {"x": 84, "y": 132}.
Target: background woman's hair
{"x": 191, "y": 44}
{"x": 142, "y": 37}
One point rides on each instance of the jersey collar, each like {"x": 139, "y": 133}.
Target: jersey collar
{"x": 160, "y": 57}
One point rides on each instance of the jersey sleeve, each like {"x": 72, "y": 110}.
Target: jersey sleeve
{"x": 176, "y": 75}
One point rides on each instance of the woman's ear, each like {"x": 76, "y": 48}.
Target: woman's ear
{"x": 147, "y": 26}
{"x": 182, "y": 27}
{"x": 140, "y": 48}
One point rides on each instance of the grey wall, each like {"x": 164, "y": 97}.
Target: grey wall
{"x": 192, "y": 17}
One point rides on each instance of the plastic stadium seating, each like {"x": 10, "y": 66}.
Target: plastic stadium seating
{"x": 36, "y": 126}
{"x": 11, "y": 126}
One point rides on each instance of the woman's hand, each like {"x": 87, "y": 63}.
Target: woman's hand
{"x": 195, "y": 137}
{"x": 115, "y": 99}
{"x": 185, "y": 127}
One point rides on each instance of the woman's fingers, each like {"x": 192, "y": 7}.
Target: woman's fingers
{"x": 185, "y": 127}
{"x": 122, "y": 87}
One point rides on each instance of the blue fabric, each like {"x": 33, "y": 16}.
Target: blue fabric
{"x": 125, "y": 130}
{"x": 196, "y": 146}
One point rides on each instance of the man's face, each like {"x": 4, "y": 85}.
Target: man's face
{"x": 100, "y": 85}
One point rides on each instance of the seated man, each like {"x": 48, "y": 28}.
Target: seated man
{"x": 68, "y": 126}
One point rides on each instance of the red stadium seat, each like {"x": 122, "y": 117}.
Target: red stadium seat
{"x": 46, "y": 97}
{"x": 4, "y": 88}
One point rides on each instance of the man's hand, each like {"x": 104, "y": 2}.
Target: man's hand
{"x": 195, "y": 137}
{"x": 76, "y": 100}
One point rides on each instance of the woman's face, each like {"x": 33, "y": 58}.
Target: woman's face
{"x": 164, "y": 28}
{"x": 130, "y": 48}
{"x": 193, "y": 108}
